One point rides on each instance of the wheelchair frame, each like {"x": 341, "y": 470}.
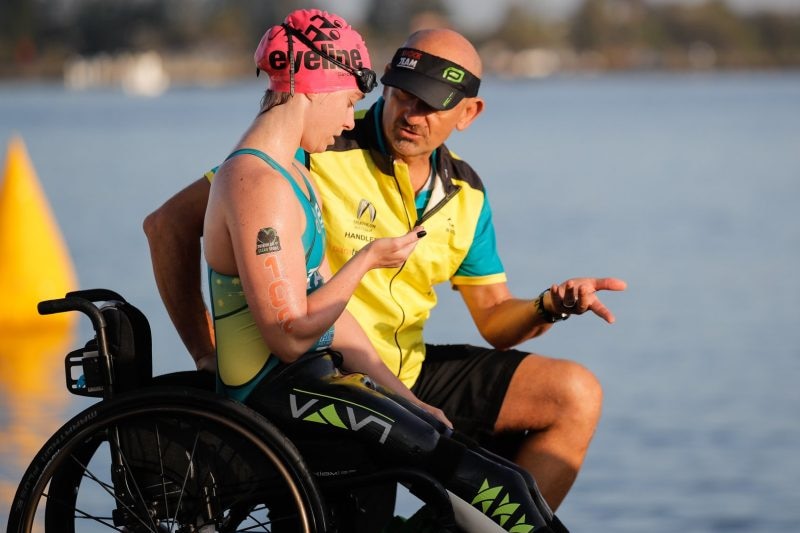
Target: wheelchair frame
{"x": 178, "y": 458}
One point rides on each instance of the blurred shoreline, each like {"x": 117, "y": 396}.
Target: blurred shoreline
{"x": 151, "y": 73}
{"x": 147, "y": 45}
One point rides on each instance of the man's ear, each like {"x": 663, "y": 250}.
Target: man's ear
{"x": 472, "y": 108}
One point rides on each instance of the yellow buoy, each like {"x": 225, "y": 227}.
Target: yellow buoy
{"x": 34, "y": 266}
{"x": 34, "y": 262}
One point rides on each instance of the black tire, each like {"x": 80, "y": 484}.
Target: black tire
{"x": 188, "y": 458}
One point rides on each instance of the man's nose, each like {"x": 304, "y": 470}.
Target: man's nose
{"x": 416, "y": 109}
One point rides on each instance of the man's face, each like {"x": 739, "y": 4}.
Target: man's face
{"x": 413, "y": 128}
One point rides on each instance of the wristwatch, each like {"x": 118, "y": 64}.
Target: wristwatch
{"x": 545, "y": 314}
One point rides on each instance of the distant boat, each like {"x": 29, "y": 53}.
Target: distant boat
{"x": 138, "y": 74}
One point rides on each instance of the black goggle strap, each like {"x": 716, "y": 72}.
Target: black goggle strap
{"x": 366, "y": 79}
{"x": 291, "y": 60}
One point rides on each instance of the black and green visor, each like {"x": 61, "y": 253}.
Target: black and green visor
{"x": 436, "y": 81}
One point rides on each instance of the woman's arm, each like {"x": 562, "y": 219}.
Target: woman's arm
{"x": 246, "y": 202}
{"x": 360, "y": 356}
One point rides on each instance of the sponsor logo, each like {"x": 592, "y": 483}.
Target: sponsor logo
{"x": 365, "y": 206}
{"x": 329, "y": 415}
{"x": 278, "y": 59}
{"x": 323, "y": 33}
{"x": 448, "y": 99}
{"x": 318, "y": 34}
{"x": 364, "y": 222}
{"x": 406, "y": 62}
{"x": 453, "y": 74}
{"x": 487, "y": 495}
{"x": 267, "y": 241}
{"x": 413, "y": 54}
{"x": 342, "y": 251}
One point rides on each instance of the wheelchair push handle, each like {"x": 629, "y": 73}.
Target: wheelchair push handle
{"x": 96, "y": 295}
{"x": 73, "y": 303}
{"x": 83, "y": 301}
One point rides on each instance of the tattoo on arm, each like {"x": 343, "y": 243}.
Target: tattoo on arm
{"x": 267, "y": 241}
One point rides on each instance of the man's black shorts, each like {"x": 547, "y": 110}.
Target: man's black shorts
{"x": 468, "y": 383}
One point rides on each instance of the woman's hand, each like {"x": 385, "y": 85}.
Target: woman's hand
{"x": 392, "y": 252}
{"x": 435, "y": 411}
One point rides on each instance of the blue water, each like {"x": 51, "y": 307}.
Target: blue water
{"x": 683, "y": 185}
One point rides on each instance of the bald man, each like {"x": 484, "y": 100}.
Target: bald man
{"x": 393, "y": 172}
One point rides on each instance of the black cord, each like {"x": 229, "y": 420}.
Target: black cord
{"x": 291, "y": 60}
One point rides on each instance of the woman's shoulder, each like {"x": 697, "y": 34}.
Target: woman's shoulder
{"x": 253, "y": 185}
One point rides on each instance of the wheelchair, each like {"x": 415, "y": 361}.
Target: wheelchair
{"x": 166, "y": 454}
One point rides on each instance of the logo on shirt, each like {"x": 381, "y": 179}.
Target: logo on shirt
{"x": 363, "y": 223}
{"x": 365, "y": 206}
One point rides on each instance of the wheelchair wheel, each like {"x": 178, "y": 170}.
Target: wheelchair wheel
{"x": 167, "y": 461}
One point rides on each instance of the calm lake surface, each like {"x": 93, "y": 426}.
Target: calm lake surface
{"x": 685, "y": 186}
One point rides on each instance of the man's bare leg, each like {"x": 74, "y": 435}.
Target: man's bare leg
{"x": 559, "y": 403}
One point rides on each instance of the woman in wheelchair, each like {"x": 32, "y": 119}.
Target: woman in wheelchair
{"x": 182, "y": 459}
{"x": 272, "y": 295}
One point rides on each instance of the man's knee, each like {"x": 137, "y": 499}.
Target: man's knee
{"x": 546, "y": 391}
{"x": 581, "y": 393}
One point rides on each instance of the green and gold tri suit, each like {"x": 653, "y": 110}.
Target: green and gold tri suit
{"x": 243, "y": 358}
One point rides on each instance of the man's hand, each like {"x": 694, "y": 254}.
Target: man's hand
{"x": 578, "y": 295}
{"x": 207, "y": 363}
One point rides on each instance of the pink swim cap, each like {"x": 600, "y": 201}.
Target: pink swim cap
{"x": 313, "y": 74}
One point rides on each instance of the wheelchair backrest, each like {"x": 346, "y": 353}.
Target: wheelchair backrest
{"x": 129, "y": 343}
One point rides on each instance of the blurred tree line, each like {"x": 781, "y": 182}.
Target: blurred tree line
{"x": 38, "y": 36}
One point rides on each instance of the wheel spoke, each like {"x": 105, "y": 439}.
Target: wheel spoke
{"x": 110, "y": 491}
{"x": 163, "y": 462}
{"x": 163, "y": 473}
{"x": 132, "y": 478}
{"x": 104, "y": 520}
{"x": 186, "y": 474}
